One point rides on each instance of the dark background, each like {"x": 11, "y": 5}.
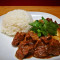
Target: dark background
{"x": 29, "y": 2}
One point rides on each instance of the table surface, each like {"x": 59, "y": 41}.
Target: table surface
{"x": 55, "y": 10}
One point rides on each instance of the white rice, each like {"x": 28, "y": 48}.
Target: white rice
{"x": 16, "y": 21}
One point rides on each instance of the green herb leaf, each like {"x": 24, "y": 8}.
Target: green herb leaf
{"x": 45, "y": 21}
{"x": 44, "y": 28}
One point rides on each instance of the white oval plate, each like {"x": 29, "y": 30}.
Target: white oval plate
{"x": 7, "y": 51}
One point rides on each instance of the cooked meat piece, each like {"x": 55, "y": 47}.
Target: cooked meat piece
{"x": 18, "y": 38}
{"x": 46, "y": 40}
{"x": 32, "y": 35}
{"x": 39, "y": 43}
{"x": 26, "y": 43}
{"x": 19, "y": 54}
{"x": 25, "y": 48}
{"x": 40, "y": 51}
{"x": 30, "y": 44}
{"x": 54, "y": 47}
{"x": 55, "y": 22}
{"x": 48, "y": 19}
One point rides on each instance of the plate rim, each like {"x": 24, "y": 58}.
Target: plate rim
{"x": 43, "y": 13}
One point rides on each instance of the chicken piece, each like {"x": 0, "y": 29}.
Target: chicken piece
{"x": 18, "y": 38}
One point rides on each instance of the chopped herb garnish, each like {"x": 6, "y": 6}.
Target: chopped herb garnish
{"x": 44, "y": 28}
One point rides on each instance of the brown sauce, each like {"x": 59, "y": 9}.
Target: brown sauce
{"x": 47, "y": 57}
{"x": 28, "y": 56}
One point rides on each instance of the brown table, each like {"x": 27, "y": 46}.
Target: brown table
{"x": 55, "y": 10}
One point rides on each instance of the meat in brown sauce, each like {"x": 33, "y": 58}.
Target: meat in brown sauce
{"x": 25, "y": 48}
{"x": 48, "y": 19}
{"x": 18, "y": 38}
{"x": 30, "y": 43}
{"x": 40, "y": 51}
{"x": 54, "y": 47}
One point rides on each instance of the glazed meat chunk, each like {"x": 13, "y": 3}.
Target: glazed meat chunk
{"x": 54, "y": 47}
{"x": 40, "y": 52}
{"x": 24, "y": 49}
{"x": 18, "y": 38}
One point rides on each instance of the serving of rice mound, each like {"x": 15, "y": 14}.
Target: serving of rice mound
{"x": 16, "y": 21}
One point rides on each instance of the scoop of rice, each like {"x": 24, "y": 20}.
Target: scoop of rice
{"x": 16, "y": 21}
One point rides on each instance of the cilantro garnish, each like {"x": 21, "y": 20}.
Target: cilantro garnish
{"x": 45, "y": 28}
